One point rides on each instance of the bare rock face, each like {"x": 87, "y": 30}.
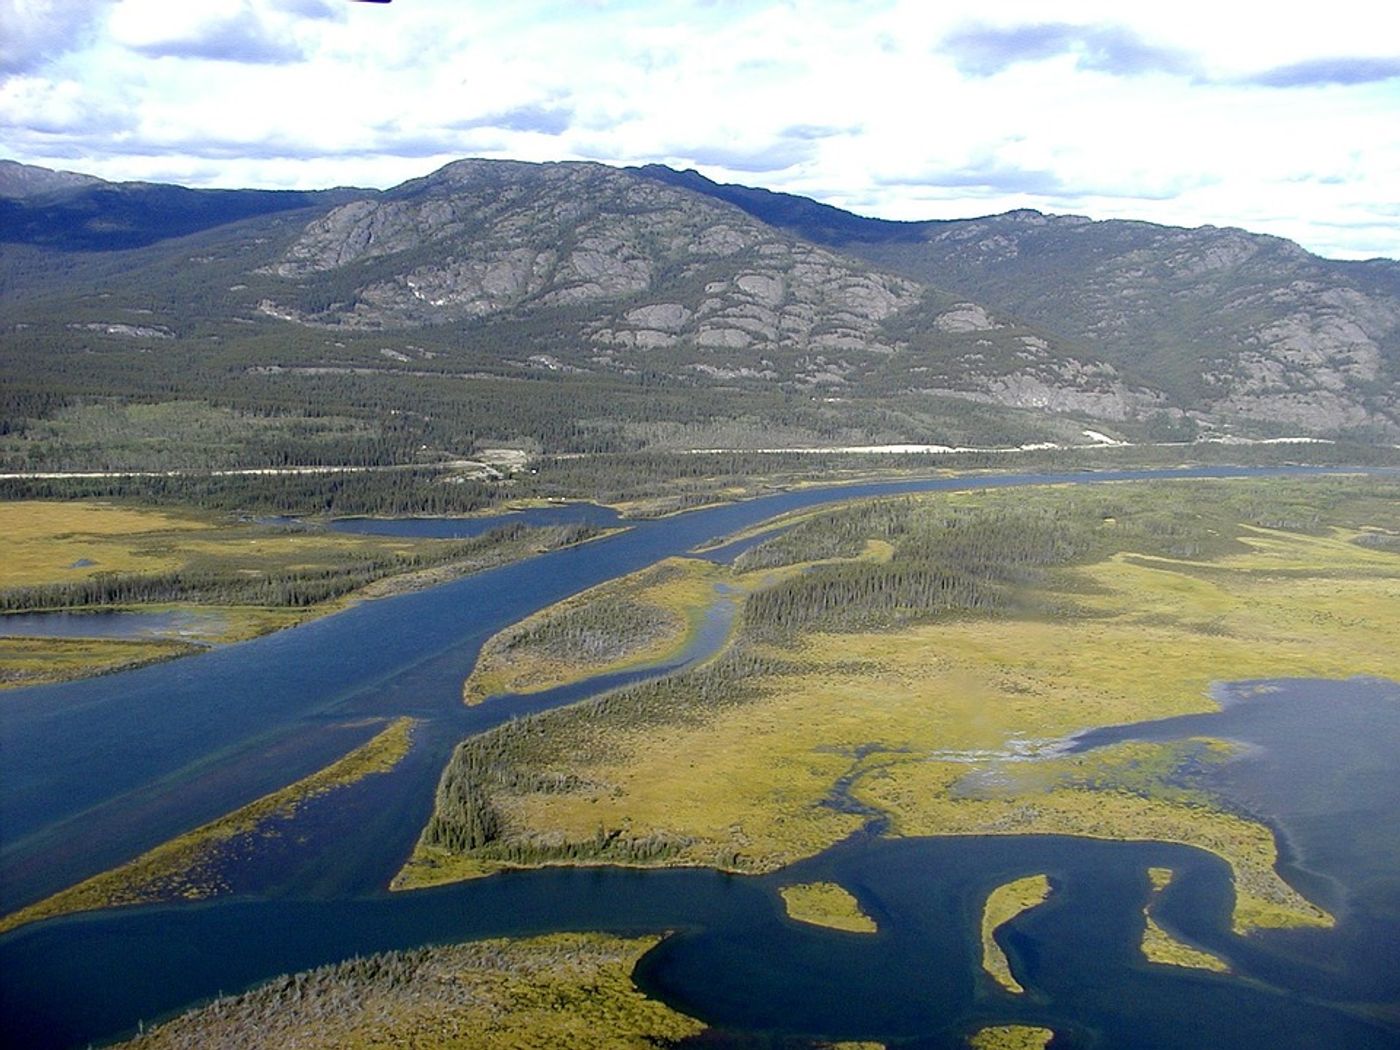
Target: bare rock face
{"x": 1232, "y": 325}
{"x": 130, "y": 331}
{"x": 656, "y": 266}
{"x": 664, "y": 317}
{"x": 1131, "y": 319}
{"x": 481, "y": 238}
{"x": 795, "y": 297}
{"x": 965, "y": 317}
{"x": 1038, "y": 375}
{"x": 645, "y": 269}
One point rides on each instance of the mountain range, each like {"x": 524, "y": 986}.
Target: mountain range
{"x": 639, "y": 280}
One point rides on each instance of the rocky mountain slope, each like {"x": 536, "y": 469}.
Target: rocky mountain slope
{"x": 1226, "y": 323}
{"x": 641, "y": 274}
{"x": 655, "y": 277}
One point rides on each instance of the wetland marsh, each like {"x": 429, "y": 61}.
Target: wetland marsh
{"x": 895, "y": 671}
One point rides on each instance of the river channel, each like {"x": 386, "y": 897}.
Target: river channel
{"x": 95, "y": 772}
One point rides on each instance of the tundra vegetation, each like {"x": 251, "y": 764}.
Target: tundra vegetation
{"x": 250, "y": 578}
{"x": 928, "y": 688}
{"x": 35, "y": 661}
{"x": 571, "y": 990}
{"x": 1011, "y": 1037}
{"x": 826, "y": 904}
{"x": 1159, "y": 946}
{"x": 1003, "y": 904}
{"x": 188, "y": 867}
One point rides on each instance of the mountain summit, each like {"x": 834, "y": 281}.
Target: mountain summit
{"x": 631, "y": 275}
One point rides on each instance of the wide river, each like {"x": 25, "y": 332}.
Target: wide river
{"x": 92, "y": 773}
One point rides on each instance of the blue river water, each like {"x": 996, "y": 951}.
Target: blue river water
{"x": 464, "y": 528}
{"x": 95, "y": 772}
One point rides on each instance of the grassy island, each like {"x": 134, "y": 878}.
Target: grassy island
{"x": 565, "y": 990}
{"x": 1011, "y": 1037}
{"x": 647, "y": 617}
{"x": 922, "y": 658}
{"x": 186, "y": 868}
{"x": 826, "y": 904}
{"x": 1159, "y": 946}
{"x": 1003, "y": 904}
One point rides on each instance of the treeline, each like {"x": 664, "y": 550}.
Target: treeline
{"x": 283, "y": 588}
{"x": 1002, "y": 554}
{"x": 861, "y": 597}
{"x": 396, "y": 493}
{"x": 441, "y": 996}
{"x": 671, "y": 481}
{"x": 21, "y": 406}
{"x": 944, "y": 559}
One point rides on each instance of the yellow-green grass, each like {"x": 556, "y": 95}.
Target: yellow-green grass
{"x": 564, "y": 990}
{"x": 1159, "y": 946}
{"x": 28, "y": 661}
{"x": 826, "y": 904}
{"x": 39, "y": 661}
{"x": 1003, "y": 904}
{"x": 42, "y": 540}
{"x": 678, "y": 591}
{"x": 44, "y": 543}
{"x": 1011, "y": 1037}
{"x": 932, "y": 699}
{"x": 943, "y": 700}
{"x": 186, "y": 867}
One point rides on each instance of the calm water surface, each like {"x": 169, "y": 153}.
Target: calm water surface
{"x": 183, "y": 624}
{"x": 464, "y": 528}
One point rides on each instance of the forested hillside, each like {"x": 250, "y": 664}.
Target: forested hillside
{"x": 576, "y": 309}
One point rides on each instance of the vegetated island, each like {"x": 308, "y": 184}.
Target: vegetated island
{"x": 563, "y": 990}
{"x": 239, "y": 578}
{"x": 646, "y": 617}
{"x": 826, "y": 904}
{"x": 932, "y": 686}
{"x": 1159, "y": 946}
{"x": 1003, "y": 904}
{"x": 187, "y": 867}
{"x": 1011, "y": 1037}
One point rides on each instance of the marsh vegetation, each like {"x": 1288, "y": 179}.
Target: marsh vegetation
{"x": 1003, "y": 904}
{"x": 571, "y": 990}
{"x": 260, "y": 577}
{"x": 826, "y": 904}
{"x": 646, "y": 617}
{"x": 1011, "y": 1037}
{"x": 914, "y": 687}
{"x": 1159, "y": 946}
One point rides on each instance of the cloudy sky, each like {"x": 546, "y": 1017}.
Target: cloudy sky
{"x": 1184, "y": 113}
